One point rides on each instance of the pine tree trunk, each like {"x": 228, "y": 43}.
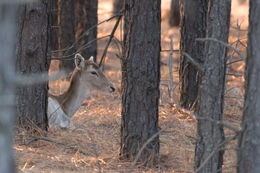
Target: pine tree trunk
{"x": 8, "y": 31}
{"x": 86, "y": 17}
{"x": 140, "y": 80}
{"x": 174, "y": 19}
{"x": 67, "y": 33}
{"x": 193, "y": 25}
{"x": 249, "y": 142}
{"x": 33, "y": 50}
{"x": 210, "y": 135}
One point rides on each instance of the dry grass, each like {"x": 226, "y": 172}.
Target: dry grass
{"x": 93, "y": 146}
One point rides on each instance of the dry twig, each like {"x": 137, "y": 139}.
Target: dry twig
{"x": 223, "y": 123}
{"x": 144, "y": 145}
{"x": 110, "y": 39}
{"x": 193, "y": 61}
{"x": 68, "y": 57}
{"x": 224, "y": 44}
{"x": 86, "y": 33}
{"x": 216, "y": 149}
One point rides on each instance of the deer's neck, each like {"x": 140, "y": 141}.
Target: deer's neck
{"x": 77, "y": 92}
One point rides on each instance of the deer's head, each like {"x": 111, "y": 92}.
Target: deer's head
{"x": 91, "y": 75}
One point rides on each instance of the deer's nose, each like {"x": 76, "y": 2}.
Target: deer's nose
{"x": 112, "y": 89}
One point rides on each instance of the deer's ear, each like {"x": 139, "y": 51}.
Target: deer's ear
{"x": 79, "y": 61}
{"x": 91, "y": 59}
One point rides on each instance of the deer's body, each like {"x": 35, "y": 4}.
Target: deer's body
{"x": 86, "y": 77}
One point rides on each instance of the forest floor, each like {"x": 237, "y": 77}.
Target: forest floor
{"x": 93, "y": 146}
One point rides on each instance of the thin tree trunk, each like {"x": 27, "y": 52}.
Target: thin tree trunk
{"x": 67, "y": 33}
{"x": 140, "y": 80}
{"x": 54, "y": 25}
{"x": 117, "y": 6}
{"x": 33, "y": 50}
{"x": 193, "y": 25}
{"x": 8, "y": 29}
{"x": 211, "y": 94}
{"x": 242, "y": 1}
{"x": 174, "y": 19}
{"x": 249, "y": 142}
{"x": 86, "y": 17}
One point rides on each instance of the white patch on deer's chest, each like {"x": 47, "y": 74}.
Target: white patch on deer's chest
{"x": 56, "y": 116}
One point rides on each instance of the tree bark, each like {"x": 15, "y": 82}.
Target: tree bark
{"x": 174, "y": 19}
{"x": 67, "y": 33}
{"x": 249, "y": 141}
{"x": 210, "y": 135}
{"x": 33, "y": 49}
{"x": 54, "y": 25}
{"x": 140, "y": 80}
{"x": 193, "y": 25}
{"x": 86, "y": 17}
{"x": 117, "y": 6}
{"x": 7, "y": 86}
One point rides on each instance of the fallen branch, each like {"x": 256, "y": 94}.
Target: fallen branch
{"x": 34, "y": 138}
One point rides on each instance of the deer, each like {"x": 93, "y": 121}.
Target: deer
{"x": 86, "y": 77}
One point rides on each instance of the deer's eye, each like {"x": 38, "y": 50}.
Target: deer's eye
{"x": 94, "y": 73}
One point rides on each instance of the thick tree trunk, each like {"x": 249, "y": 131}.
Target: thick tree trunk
{"x": 211, "y": 94}
{"x": 66, "y": 33}
{"x": 193, "y": 25}
{"x": 33, "y": 49}
{"x": 249, "y": 142}
{"x": 117, "y": 6}
{"x": 8, "y": 28}
{"x": 141, "y": 77}
{"x": 86, "y": 17}
{"x": 174, "y": 19}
